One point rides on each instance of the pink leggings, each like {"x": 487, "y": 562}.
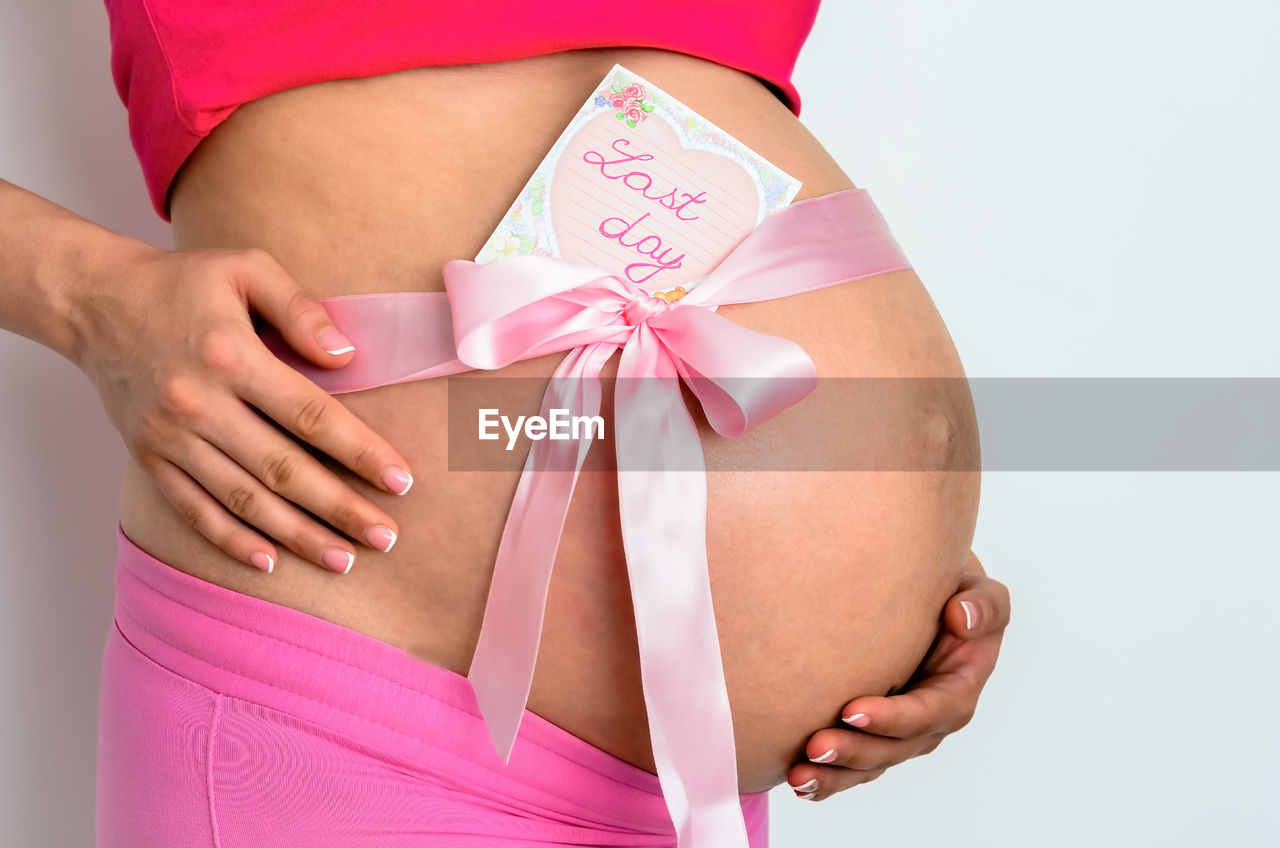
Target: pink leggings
{"x": 228, "y": 721}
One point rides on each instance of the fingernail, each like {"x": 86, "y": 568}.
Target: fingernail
{"x": 857, "y": 719}
{"x": 397, "y": 480}
{"x": 808, "y": 787}
{"x": 261, "y": 560}
{"x": 970, "y": 614}
{"x": 808, "y": 796}
{"x": 334, "y": 342}
{"x": 338, "y": 560}
{"x": 381, "y": 537}
{"x": 825, "y": 758}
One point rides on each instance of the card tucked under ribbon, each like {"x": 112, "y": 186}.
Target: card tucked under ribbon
{"x": 640, "y": 184}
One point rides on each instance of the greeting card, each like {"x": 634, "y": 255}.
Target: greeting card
{"x": 641, "y": 185}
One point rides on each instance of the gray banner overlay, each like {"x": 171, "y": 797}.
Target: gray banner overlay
{"x": 916, "y": 424}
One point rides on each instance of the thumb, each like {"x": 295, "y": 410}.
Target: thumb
{"x": 299, "y": 317}
{"x": 980, "y": 609}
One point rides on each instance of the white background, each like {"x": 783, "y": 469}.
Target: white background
{"x": 1087, "y": 189}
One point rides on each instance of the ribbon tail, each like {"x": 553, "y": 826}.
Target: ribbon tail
{"x": 501, "y": 672}
{"x": 662, "y": 493}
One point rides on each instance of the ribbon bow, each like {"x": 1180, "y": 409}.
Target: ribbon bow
{"x": 532, "y": 306}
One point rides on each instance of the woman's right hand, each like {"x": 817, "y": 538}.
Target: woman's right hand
{"x": 169, "y": 342}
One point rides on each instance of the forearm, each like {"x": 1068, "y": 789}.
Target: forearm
{"x": 49, "y": 259}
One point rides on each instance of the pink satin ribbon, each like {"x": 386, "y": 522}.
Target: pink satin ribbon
{"x": 499, "y": 313}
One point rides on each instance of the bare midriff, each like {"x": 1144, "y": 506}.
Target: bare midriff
{"x": 827, "y": 584}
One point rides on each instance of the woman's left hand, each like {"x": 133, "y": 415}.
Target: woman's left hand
{"x": 940, "y": 698}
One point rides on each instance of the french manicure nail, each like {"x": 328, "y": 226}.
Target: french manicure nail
{"x": 381, "y": 537}
{"x": 825, "y": 758}
{"x": 397, "y": 480}
{"x": 333, "y": 342}
{"x": 807, "y": 796}
{"x": 857, "y": 719}
{"x": 338, "y": 560}
{"x": 970, "y": 614}
{"x": 261, "y": 560}
{"x": 810, "y": 786}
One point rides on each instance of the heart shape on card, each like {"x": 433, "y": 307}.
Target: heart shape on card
{"x": 637, "y": 202}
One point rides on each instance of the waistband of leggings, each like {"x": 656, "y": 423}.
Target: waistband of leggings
{"x": 368, "y": 690}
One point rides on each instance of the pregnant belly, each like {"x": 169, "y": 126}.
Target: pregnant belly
{"x": 827, "y": 583}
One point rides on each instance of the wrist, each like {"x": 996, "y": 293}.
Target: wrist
{"x": 53, "y": 261}
{"x": 91, "y": 270}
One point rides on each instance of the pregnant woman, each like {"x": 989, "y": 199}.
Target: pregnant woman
{"x": 301, "y": 583}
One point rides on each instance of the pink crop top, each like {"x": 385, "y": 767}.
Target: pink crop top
{"x": 182, "y": 67}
